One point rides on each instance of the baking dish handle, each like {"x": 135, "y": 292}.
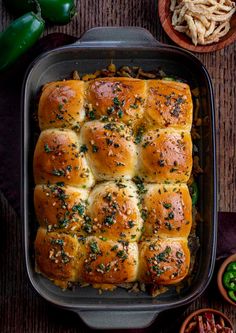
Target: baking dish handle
{"x": 115, "y": 319}
{"x": 131, "y": 36}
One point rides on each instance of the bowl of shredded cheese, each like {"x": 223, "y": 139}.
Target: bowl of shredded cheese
{"x": 199, "y": 25}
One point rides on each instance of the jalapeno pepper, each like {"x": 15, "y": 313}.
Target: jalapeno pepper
{"x": 54, "y": 11}
{"x": 229, "y": 280}
{"x": 194, "y": 193}
{"x": 231, "y": 267}
{"x": 18, "y": 37}
{"x": 232, "y": 295}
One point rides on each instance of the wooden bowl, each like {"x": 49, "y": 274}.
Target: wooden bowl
{"x": 184, "y": 41}
{"x": 220, "y": 276}
{"x": 201, "y": 311}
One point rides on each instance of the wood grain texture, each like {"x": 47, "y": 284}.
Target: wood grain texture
{"x": 21, "y": 310}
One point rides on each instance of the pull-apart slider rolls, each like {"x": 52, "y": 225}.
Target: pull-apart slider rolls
{"x": 62, "y": 105}
{"x": 110, "y": 150}
{"x": 166, "y": 156}
{"x": 114, "y": 212}
{"x": 111, "y": 166}
{"x": 168, "y": 209}
{"x": 164, "y": 261}
{"x": 57, "y": 158}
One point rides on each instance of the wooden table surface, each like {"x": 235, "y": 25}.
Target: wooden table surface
{"x": 21, "y": 310}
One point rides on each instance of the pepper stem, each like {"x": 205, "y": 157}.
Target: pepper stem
{"x": 37, "y": 8}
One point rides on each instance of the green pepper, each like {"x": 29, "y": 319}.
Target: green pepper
{"x": 18, "y": 37}
{"x": 168, "y": 78}
{"x": 232, "y": 295}
{"x": 54, "y": 11}
{"x": 229, "y": 280}
{"x": 231, "y": 267}
{"x": 194, "y": 193}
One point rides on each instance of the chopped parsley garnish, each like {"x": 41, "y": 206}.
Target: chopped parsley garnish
{"x": 58, "y": 172}
{"x": 120, "y": 113}
{"x": 163, "y": 255}
{"x": 59, "y": 116}
{"x": 122, "y": 254}
{"x": 61, "y": 184}
{"x": 110, "y": 110}
{"x": 168, "y": 225}
{"x": 144, "y": 214}
{"x": 114, "y": 248}
{"x": 91, "y": 114}
{"x": 47, "y": 149}
{"x": 57, "y": 241}
{"x": 133, "y": 106}
{"x": 94, "y": 149}
{"x": 139, "y": 183}
{"x": 167, "y": 205}
{"x": 109, "y": 142}
{"x": 179, "y": 254}
{"x": 109, "y": 220}
{"x": 94, "y": 247}
{"x": 171, "y": 216}
{"x": 79, "y": 208}
{"x": 116, "y": 101}
{"x": 101, "y": 266}
{"x": 83, "y": 149}
{"x": 139, "y": 135}
{"x": 63, "y": 223}
{"x": 131, "y": 224}
{"x": 60, "y": 107}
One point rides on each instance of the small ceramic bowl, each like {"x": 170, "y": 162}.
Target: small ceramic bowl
{"x": 184, "y": 41}
{"x": 201, "y": 311}
{"x": 220, "y": 276}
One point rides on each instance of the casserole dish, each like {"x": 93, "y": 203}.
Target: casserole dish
{"x": 125, "y": 46}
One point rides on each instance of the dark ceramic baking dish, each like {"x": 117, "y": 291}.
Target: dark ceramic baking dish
{"x": 125, "y": 46}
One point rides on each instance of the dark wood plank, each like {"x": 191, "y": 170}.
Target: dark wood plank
{"x": 21, "y": 310}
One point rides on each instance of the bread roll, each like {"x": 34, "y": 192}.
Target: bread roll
{"x": 120, "y": 99}
{"x": 163, "y": 261}
{"x": 111, "y": 166}
{"x": 108, "y": 261}
{"x": 60, "y": 208}
{"x": 168, "y": 210}
{"x": 169, "y": 104}
{"x": 114, "y": 213}
{"x": 166, "y": 156}
{"x": 62, "y": 105}
{"x": 58, "y": 158}
{"x": 111, "y": 152}
{"x": 58, "y": 255}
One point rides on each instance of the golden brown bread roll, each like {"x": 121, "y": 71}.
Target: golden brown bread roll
{"x": 58, "y": 158}
{"x": 62, "y": 105}
{"x": 121, "y": 99}
{"x": 169, "y": 104}
{"x": 166, "y": 156}
{"x": 108, "y": 261}
{"x": 110, "y": 150}
{"x": 58, "y": 255}
{"x": 163, "y": 260}
{"x": 60, "y": 208}
{"x": 114, "y": 213}
{"x": 168, "y": 210}
{"x": 113, "y": 130}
